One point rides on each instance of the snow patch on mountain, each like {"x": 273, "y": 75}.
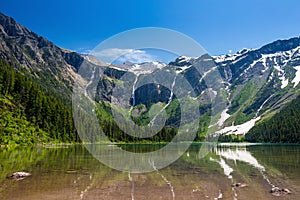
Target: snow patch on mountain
{"x": 284, "y": 82}
{"x": 296, "y": 80}
{"x": 278, "y": 61}
{"x": 223, "y": 118}
{"x": 270, "y": 78}
{"x": 181, "y": 69}
{"x": 241, "y": 129}
{"x": 185, "y": 59}
{"x": 206, "y": 73}
{"x": 225, "y": 58}
{"x": 142, "y": 68}
{"x": 231, "y": 57}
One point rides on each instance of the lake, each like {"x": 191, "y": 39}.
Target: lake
{"x": 228, "y": 172}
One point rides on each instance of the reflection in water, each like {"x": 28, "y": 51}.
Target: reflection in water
{"x": 227, "y": 171}
{"x": 72, "y": 173}
{"x": 83, "y": 192}
{"x": 241, "y": 154}
{"x": 164, "y": 178}
{"x": 132, "y": 186}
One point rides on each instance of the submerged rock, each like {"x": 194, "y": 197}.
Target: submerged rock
{"x": 19, "y": 175}
{"x": 276, "y": 191}
{"x": 71, "y": 171}
{"x": 220, "y": 196}
{"x": 239, "y": 185}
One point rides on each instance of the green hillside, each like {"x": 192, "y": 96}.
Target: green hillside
{"x": 30, "y": 115}
{"x": 283, "y": 127}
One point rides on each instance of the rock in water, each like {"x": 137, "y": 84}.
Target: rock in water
{"x": 19, "y": 175}
{"x": 236, "y": 185}
{"x": 276, "y": 191}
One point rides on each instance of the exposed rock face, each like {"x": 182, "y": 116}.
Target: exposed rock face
{"x": 255, "y": 82}
{"x": 53, "y": 66}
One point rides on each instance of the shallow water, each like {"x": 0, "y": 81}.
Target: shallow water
{"x": 70, "y": 172}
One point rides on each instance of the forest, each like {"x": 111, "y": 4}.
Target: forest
{"x": 283, "y": 127}
{"x": 30, "y": 115}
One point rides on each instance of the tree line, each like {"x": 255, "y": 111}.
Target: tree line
{"x": 48, "y": 116}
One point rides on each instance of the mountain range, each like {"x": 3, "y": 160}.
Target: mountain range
{"x": 254, "y": 92}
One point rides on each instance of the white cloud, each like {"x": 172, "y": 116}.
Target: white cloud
{"x": 123, "y": 55}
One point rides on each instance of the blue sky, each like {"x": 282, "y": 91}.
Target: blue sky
{"x": 219, "y": 26}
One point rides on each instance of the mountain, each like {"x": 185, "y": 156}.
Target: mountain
{"x": 233, "y": 94}
{"x": 36, "y": 82}
{"x": 29, "y": 114}
{"x": 52, "y": 66}
{"x": 142, "y": 68}
{"x": 282, "y": 127}
{"x": 261, "y": 82}
{"x": 258, "y": 83}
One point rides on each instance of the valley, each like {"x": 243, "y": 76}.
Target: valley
{"x": 238, "y": 95}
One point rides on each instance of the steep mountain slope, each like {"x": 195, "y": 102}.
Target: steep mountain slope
{"x": 29, "y": 115}
{"x": 232, "y": 92}
{"x": 36, "y": 82}
{"x": 256, "y": 84}
{"x": 262, "y": 81}
{"x": 35, "y": 56}
{"x": 282, "y": 127}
